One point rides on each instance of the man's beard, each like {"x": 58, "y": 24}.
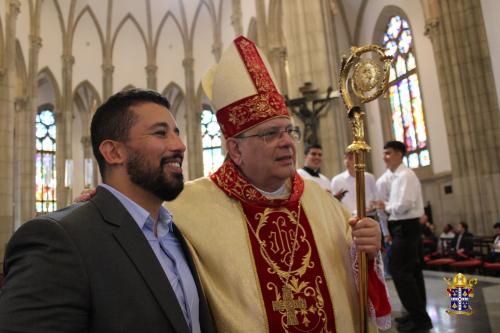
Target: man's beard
{"x": 154, "y": 180}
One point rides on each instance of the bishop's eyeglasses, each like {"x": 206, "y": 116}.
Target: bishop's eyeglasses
{"x": 274, "y": 134}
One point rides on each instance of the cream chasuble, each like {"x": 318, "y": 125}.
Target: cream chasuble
{"x": 217, "y": 233}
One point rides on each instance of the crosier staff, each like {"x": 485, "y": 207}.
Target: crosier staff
{"x": 368, "y": 80}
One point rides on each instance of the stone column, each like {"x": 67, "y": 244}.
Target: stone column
{"x": 7, "y": 110}
{"x": 21, "y": 168}
{"x": 107, "y": 79}
{"x": 236, "y": 18}
{"x": 262, "y": 42}
{"x": 87, "y": 153}
{"x": 64, "y": 123}
{"x": 277, "y": 59}
{"x": 27, "y": 134}
{"x": 217, "y": 47}
{"x": 193, "y": 116}
{"x": 151, "y": 78}
{"x": 457, "y": 32}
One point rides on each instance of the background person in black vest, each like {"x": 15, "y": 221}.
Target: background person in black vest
{"x": 313, "y": 158}
{"x": 462, "y": 245}
{"x": 405, "y": 207}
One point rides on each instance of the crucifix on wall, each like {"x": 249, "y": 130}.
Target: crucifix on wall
{"x": 310, "y": 108}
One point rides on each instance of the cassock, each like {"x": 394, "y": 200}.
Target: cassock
{"x": 274, "y": 265}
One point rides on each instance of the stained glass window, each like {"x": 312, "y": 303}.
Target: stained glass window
{"x": 211, "y": 140}
{"x": 408, "y": 123}
{"x": 45, "y": 161}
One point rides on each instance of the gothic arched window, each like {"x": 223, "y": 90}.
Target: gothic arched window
{"x": 408, "y": 123}
{"x": 45, "y": 160}
{"x": 211, "y": 139}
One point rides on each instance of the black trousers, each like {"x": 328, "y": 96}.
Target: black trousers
{"x": 406, "y": 267}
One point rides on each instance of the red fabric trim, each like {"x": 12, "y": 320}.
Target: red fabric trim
{"x": 252, "y": 110}
{"x": 377, "y": 292}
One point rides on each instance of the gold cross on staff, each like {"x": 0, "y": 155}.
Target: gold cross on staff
{"x": 289, "y": 305}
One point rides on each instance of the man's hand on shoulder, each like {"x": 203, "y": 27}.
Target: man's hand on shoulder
{"x": 366, "y": 235}
{"x": 86, "y": 195}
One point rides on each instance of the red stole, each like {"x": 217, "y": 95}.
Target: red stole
{"x": 284, "y": 254}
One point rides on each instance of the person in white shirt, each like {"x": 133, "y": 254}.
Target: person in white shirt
{"x": 345, "y": 182}
{"x": 404, "y": 205}
{"x": 312, "y": 164}
{"x": 445, "y": 240}
{"x": 383, "y": 186}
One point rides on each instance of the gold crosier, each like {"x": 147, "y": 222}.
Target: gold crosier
{"x": 367, "y": 79}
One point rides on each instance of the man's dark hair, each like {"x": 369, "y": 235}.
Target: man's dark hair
{"x": 312, "y": 146}
{"x": 396, "y": 145}
{"x": 113, "y": 119}
{"x": 497, "y": 225}
{"x": 464, "y": 225}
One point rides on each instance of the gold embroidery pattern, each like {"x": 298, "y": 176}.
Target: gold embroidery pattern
{"x": 229, "y": 179}
{"x": 287, "y": 264}
{"x": 276, "y": 250}
{"x": 256, "y": 107}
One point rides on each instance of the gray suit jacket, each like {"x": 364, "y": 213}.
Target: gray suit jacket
{"x": 89, "y": 268}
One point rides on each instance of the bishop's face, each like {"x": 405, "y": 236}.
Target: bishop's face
{"x": 268, "y": 164}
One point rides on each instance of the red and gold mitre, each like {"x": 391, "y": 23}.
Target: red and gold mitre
{"x": 243, "y": 90}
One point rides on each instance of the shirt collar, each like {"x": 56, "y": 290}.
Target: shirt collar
{"x": 346, "y": 174}
{"x": 400, "y": 168}
{"x": 312, "y": 172}
{"x": 139, "y": 214}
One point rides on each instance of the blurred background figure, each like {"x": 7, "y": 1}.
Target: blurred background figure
{"x": 429, "y": 240}
{"x": 495, "y": 246}
{"x": 462, "y": 245}
{"x": 344, "y": 187}
{"x": 444, "y": 240}
{"x": 312, "y": 165}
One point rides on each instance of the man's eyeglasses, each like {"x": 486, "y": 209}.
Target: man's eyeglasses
{"x": 275, "y": 134}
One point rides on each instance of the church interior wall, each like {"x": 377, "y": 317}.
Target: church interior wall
{"x": 23, "y": 30}
{"x": 77, "y": 181}
{"x": 227, "y": 32}
{"x": 129, "y": 57}
{"x": 88, "y": 51}
{"x": 175, "y": 96}
{"x": 169, "y": 55}
{"x": 170, "y": 33}
{"x": 203, "y": 42}
{"x": 48, "y": 89}
{"x": 490, "y": 9}
{"x": 248, "y": 13}
{"x": 429, "y": 85}
{"x": 370, "y": 28}
{"x": 51, "y": 34}
{"x": 2, "y": 19}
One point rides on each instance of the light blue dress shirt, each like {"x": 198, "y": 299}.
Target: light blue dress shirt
{"x": 168, "y": 250}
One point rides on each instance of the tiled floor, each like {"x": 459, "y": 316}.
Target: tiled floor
{"x": 485, "y": 303}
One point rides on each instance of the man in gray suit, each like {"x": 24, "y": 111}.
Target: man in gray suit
{"x": 115, "y": 263}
